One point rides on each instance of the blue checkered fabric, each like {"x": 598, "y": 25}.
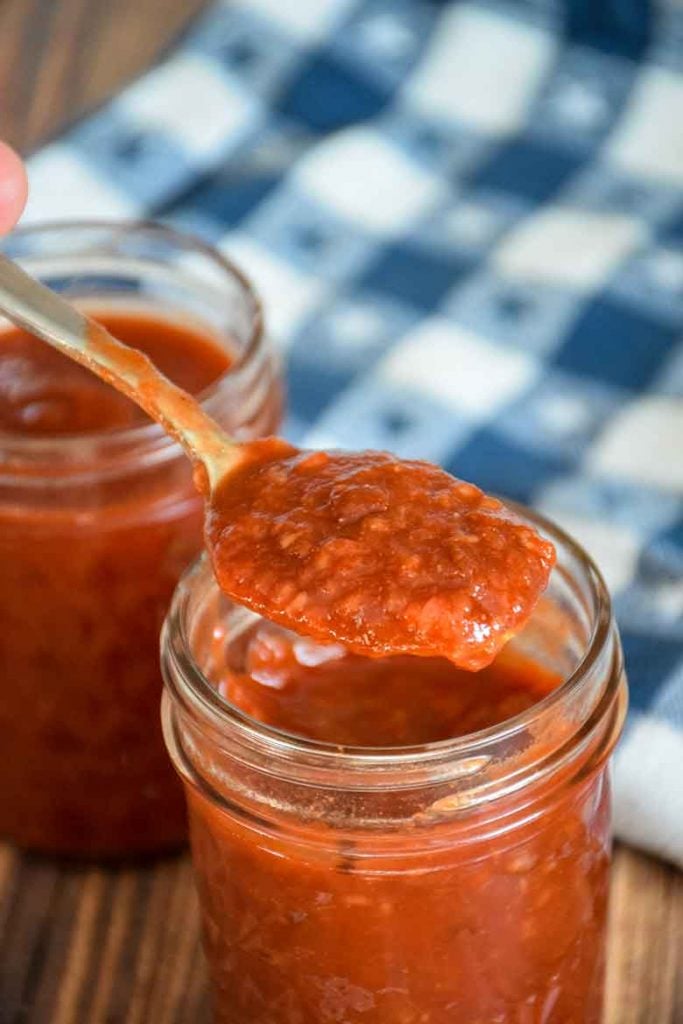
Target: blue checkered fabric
{"x": 466, "y": 222}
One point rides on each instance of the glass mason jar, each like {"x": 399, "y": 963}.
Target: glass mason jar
{"x": 95, "y": 530}
{"x": 460, "y": 882}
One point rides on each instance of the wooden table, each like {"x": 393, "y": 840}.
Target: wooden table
{"x": 97, "y": 946}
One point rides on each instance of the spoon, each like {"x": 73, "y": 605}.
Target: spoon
{"x": 383, "y": 555}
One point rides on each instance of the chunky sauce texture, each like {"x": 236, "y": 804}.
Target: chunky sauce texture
{"x": 493, "y": 916}
{"x": 88, "y": 570}
{"x": 383, "y": 555}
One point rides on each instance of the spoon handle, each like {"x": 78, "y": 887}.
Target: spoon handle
{"x": 33, "y": 306}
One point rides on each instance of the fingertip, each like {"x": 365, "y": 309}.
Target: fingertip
{"x": 13, "y": 187}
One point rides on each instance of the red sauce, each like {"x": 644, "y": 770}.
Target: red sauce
{"x": 382, "y": 555}
{"x": 327, "y": 693}
{"x": 46, "y": 395}
{"x": 88, "y": 568}
{"x": 458, "y": 920}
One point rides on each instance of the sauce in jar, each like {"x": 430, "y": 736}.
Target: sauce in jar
{"x": 98, "y": 518}
{"x": 44, "y": 394}
{"x": 327, "y": 693}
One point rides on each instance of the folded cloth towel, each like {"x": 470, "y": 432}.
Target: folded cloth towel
{"x": 465, "y": 219}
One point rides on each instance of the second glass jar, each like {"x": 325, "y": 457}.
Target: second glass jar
{"x": 95, "y": 530}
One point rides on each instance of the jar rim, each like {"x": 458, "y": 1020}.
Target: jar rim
{"x": 147, "y": 435}
{"x": 186, "y": 682}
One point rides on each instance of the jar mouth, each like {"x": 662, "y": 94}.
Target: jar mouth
{"x": 148, "y": 436}
{"x": 188, "y": 684}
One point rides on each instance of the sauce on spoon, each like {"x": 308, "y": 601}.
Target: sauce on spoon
{"x": 382, "y": 555}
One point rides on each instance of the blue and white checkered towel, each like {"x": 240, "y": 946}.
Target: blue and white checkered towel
{"x": 465, "y": 219}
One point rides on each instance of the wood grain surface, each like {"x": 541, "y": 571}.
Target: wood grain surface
{"x": 59, "y": 58}
{"x": 89, "y": 945}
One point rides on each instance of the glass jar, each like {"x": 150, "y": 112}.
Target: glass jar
{"x": 95, "y": 530}
{"x": 460, "y": 882}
